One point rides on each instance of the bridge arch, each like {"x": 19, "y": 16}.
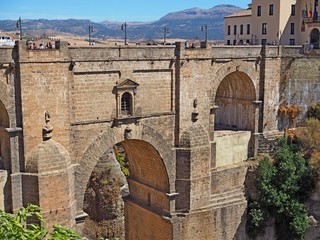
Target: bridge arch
{"x": 236, "y": 108}
{"x": 234, "y": 98}
{"x": 248, "y": 68}
{"x": 151, "y": 176}
{"x": 234, "y": 89}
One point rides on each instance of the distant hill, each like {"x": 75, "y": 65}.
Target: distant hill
{"x": 184, "y": 24}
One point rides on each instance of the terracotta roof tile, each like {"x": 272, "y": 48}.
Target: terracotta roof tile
{"x": 243, "y": 13}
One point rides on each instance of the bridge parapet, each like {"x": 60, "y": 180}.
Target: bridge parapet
{"x": 236, "y": 52}
{"x": 243, "y": 52}
{"x": 122, "y": 53}
{"x": 45, "y": 55}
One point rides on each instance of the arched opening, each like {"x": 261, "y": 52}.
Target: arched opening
{"x": 103, "y": 199}
{"x": 5, "y": 163}
{"x": 132, "y": 206}
{"x": 234, "y": 119}
{"x": 234, "y": 98}
{"x": 314, "y": 37}
{"x": 126, "y": 104}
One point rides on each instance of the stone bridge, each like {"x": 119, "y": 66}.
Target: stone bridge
{"x": 187, "y": 120}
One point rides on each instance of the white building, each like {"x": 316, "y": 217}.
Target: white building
{"x": 284, "y": 22}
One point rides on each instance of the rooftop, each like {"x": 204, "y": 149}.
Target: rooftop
{"x": 243, "y": 13}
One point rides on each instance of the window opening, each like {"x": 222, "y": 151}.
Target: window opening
{"x": 126, "y": 104}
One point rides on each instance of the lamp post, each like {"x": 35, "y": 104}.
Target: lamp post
{"x": 204, "y": 29}
{"x": 20, "y": 28}
{"x": 165, "y": 33}
{"x": 90, "y": 31}
{"x": 124, "y": 27}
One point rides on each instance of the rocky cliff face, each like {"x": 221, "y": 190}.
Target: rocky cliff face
{"x": 103, "y": 200}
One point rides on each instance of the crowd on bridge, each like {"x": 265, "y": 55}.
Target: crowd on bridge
{"x": 33, "y": 45}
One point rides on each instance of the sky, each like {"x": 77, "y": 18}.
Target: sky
{"x": 100, "y": 10}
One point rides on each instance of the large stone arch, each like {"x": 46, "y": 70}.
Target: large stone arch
{"x": 105, "y": 141}
{"x": 150, "y": 181}
{"x": 248, "y": 68}
{"x": 236, "y": 105}
{"x": 235, "y": 98}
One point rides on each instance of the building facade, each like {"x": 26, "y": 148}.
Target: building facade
{"x": 283, "y": 22}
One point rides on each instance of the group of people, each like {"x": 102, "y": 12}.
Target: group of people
{"x": 189, "y": 45}
{"x": 33, "y": 45}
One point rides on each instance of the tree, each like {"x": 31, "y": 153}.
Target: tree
{"x": 283, "y": 186}
{"x": 17, "y": 226}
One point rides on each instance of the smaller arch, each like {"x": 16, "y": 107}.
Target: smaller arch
{"x": 241, "y": 67}
{"x": 314, "y": 37}
{"x": 235, "y": 96}
{"x": 126, "y": 104}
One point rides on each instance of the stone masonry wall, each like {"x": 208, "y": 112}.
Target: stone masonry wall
{"x": 299, "y": 86}
{"x": 45, "y": 83}
{"x": 174, "y": 102}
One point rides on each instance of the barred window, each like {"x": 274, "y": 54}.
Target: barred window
{"x": 126, "y": 104}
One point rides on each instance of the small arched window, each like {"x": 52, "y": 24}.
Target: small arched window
{"x": 126, "y": 104}
{"x": 125, "y": 96}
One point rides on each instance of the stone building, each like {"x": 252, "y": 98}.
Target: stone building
{"x": 186, "y": 118}
{"x": 283, "y": 22}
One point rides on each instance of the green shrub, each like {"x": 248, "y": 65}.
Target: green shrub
{"x": 121, "y": 158}
{"x": 256, "y": 219}
{"x": 16, "y": 226}
{"x": 283, "y": 186}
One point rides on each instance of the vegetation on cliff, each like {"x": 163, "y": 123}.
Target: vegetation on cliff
{"x": 17, "y": 226}
{"x": 283, "y": 186}
{"x": 121, "y": 158}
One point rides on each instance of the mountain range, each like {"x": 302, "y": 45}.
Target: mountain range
{"x": 184, "y": 24}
